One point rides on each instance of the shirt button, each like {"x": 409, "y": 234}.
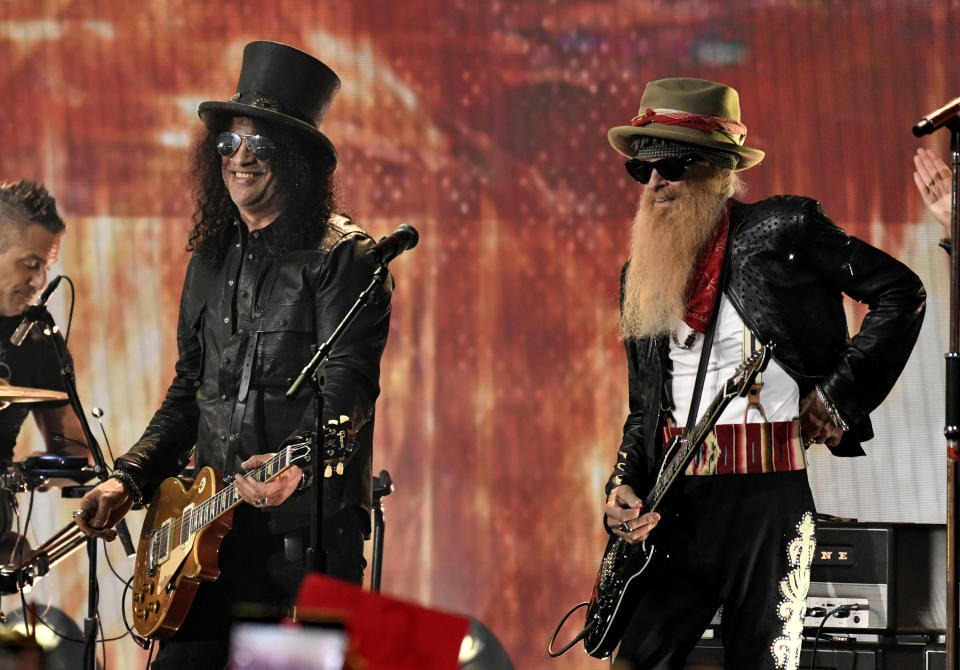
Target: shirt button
{"x": 223, "y": 437}
{"x": 256, "y": 235}
{"x": 224, "y": 397}
{"x": 244, "y": 294}
{"x": 226, "y": 360}
{"x": 230, "y": 283}
{"x": 250, "y": 256}
{"x": 226, "y": 319}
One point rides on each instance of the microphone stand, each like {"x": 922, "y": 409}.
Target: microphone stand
{"x": 316, "y": 557}
{"x": 951, "y": 429}
{"x": 49, "y": 329}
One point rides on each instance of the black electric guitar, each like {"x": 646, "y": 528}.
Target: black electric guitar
{"x": 620, "y": 578}
{"x": 182, "y": 531}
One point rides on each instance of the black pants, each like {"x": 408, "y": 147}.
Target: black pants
{"x": 741, "y": 541}
{"x": 258, "y": 577}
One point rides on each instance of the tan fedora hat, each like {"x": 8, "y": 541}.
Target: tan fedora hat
{"x": 694, "y": 111}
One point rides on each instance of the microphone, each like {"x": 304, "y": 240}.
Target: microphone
{"x": 403, "y": 238}
{"x": 30, "y": 316}
{"x": 936, "y": 118}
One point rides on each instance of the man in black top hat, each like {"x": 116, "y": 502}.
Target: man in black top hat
{"x": 274, "y": 270}
{"x": 30, "y": 235}
{"x": 708, "y": 278}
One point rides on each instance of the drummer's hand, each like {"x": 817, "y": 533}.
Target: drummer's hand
{"x": 624, "y": 515}
{"x": 102, "y": 508}
{"x": 271, "y": 493}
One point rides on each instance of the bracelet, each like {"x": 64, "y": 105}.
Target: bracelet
{"x": 130, "y": 484}
{"x": 832, "y": 409}
{"x": 946, "y": 244}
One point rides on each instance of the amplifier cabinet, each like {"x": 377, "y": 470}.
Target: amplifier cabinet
{"x": 708, "y": 655}
{"x": 900, "y": 569}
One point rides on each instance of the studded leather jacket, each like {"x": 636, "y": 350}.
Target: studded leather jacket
{"x": 787, "y": 267}
{"x": 246, "y": 329}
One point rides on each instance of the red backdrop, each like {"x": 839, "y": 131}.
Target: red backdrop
{"x": 483, "y": 125}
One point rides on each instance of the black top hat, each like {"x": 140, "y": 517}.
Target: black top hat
{"x": 281, "y": 85}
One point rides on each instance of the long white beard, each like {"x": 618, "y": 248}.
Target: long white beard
{"x": 664, "y": 246}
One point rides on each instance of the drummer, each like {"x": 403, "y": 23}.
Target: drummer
{"x": 30, "y": 233}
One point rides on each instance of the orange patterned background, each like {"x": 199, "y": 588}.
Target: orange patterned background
{"x": 482, "y": 124}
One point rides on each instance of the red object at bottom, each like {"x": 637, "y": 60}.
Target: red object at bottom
{"x": 385, "y": 632}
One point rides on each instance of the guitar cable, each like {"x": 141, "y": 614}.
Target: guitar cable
{"x": 582, "y": 634}
{"x": 838, "y": 611}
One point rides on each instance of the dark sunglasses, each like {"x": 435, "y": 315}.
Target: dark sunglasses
{"x": 671, "y": 169}
{"x": 261, "y": 147}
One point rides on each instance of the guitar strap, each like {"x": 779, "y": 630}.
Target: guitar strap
{"x": 230, "y": 465}
{"x": 751, "y": 344}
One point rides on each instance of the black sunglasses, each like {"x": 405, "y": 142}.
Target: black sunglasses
{"x": 671, "y": 169}
{"x": 260, "y": 146}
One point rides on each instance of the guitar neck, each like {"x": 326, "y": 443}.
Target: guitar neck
{"x": 229, "y": 497}
{"x": 687, "y": 446}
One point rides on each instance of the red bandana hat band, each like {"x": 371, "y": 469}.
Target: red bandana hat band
{"x": 733, "y": 129}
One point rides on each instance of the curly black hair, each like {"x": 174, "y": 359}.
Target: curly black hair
{"x": 305, "y": 176}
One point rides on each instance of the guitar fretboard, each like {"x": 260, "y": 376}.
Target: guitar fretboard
{"x": 181, "y": 529}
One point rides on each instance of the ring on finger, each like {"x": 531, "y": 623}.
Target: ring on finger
{"x": 260, "y": 502}
{"x": 79, "y": 514}
{"x": 624, "y": 527}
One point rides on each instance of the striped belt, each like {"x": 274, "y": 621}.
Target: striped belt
{"x": 747, "y": 448}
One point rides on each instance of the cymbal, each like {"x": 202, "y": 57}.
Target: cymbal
{"x": 10, "y": 394}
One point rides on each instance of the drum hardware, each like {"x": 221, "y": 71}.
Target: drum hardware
{"x": 38, "y": 471}
{"x": 37, "y": 562}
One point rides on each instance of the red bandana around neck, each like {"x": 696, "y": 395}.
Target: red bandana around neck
{"x": 705, "y": 279}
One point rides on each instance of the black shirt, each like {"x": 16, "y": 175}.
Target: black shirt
{"x": 33, "y": 364}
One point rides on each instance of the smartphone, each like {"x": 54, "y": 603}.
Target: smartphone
{"x": 271, "y": 646}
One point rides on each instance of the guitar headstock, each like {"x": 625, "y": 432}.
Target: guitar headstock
{"x": 338, "y": 444}
{"x": 742, "y": 379}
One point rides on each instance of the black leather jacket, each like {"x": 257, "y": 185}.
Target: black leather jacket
{"x": 252, "y": 324}
{"x": 788, "y": 265}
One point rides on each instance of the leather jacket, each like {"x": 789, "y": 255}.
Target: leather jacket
{"x": 246, "y": 329}
{"x": 787, "y": 267}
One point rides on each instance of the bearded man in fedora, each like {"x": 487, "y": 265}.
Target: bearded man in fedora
{"x": 708, "y": 279}
{"x": 274, "y": 270}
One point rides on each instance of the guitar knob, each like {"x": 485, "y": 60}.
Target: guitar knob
{"x": 340, "y": 468}
{"x": 327, "y": 472}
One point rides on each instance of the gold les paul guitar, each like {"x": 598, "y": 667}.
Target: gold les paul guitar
{"x": 183, "y": 529}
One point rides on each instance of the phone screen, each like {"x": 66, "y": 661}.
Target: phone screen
{"x": 260, "y": 646}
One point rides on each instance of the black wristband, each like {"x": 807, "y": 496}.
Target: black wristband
{"x": 129, "y": 484}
